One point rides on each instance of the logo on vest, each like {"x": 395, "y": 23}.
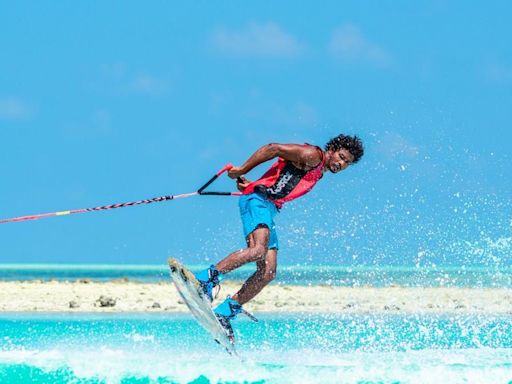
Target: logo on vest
{"x": 281, "y": 184}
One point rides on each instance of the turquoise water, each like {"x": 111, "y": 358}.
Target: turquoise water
{"x": 279, "y": 349}
{"x": 377, "y": 276}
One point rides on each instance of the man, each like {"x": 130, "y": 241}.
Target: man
{"x": 297, "y": 170}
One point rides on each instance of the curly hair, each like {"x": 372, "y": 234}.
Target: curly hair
{"x": 351, "y": 143}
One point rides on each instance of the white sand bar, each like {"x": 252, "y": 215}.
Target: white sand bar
{"x": 127, "y": 296}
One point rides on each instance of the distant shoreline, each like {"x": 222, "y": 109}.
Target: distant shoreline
{"x": 303, "y": 275}
{"x": 123, "y": 296}
{"x": 296, "y": 266}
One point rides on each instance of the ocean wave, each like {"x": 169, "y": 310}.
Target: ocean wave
{"x": 114, "y": 366}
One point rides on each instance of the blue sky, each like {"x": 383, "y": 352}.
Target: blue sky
{"x": 111, "y": 102}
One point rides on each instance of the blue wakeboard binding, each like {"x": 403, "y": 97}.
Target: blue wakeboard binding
{"x": 209, "y": 279}
{"x": 228, "y": 311}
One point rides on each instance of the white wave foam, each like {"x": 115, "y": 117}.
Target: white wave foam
{"x": 296, "y": 366}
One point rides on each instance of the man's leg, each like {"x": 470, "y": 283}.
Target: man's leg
{"x": 257, "y": 244}
{"x": 266, "y": 261}
{"x": 265, "y": 273}
{"x": 256, "y": 251}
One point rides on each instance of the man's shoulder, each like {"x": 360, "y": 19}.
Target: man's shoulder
{"x": 311, "y": 156}
{"x": 316, "y": 153}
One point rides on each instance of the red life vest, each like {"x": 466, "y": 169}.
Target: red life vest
{"x": 284, "y": 182}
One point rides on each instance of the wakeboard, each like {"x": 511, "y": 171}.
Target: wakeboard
{"x": 190, "y": 291}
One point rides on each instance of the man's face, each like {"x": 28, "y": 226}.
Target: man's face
{"x": 339, "y": 160}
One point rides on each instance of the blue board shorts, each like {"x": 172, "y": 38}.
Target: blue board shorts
{"x": 255, "y": 211}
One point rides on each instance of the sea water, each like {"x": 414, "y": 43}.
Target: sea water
{"x": 336, "y": 275}
{"x": 294, "y": 348}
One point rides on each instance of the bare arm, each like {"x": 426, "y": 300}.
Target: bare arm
{"x": 304, "y": 157}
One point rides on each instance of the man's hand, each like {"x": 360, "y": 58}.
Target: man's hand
{"x": 235, "y": 172}
{"x": 242, "y": 183}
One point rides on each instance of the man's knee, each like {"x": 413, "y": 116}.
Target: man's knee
{"x": 269, "y": 275}
{"x": 259, "y": 251}
{"x": 266, "y": 273}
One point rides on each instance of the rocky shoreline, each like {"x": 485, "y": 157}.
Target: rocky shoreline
{"x": 128, "y": 296}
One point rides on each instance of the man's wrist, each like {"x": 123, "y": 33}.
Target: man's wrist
{"x": 244, "y": 169}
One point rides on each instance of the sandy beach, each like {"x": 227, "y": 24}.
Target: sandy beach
{"x": 128, "y": 296}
